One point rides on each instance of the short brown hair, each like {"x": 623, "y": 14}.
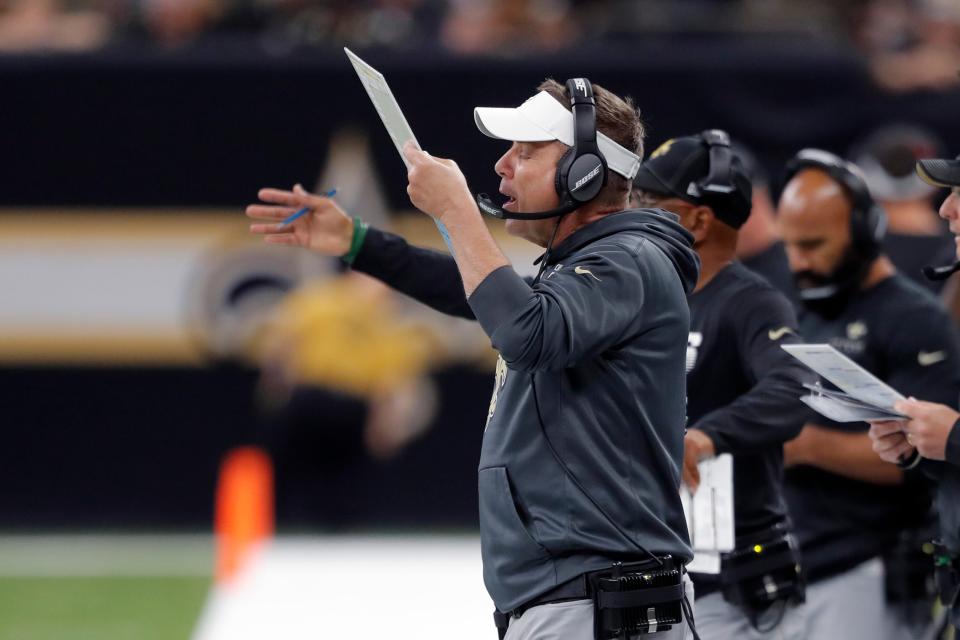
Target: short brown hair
{"x": 619, "y": 120}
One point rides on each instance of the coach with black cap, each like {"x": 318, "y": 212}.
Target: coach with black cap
{"x": 582, "y": 450}
{"x": 929, "y": 440}
{"x": 743, "y": 389}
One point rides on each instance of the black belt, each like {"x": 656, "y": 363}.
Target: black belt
{"x": 581, "y": 588}
{"x": 578, "y": 588}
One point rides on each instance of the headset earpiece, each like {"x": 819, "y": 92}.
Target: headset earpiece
{"x": 719, "y": 178}
{"x": 875, "y": 224}
{"x": 582, "y": 171}
{"x": 868, "y": 221}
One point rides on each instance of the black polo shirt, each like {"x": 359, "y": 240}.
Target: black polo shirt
{"x": 899, "y": 332}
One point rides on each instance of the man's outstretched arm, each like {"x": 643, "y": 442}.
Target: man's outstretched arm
{"x": 431, "y": 277}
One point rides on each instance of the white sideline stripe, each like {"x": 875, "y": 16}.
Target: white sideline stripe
{"x": 90, "y": 555}
{"x": 398, "y": 587}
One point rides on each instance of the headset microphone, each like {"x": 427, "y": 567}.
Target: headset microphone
{"x": 487, "y": 206}
{"x": 941, "y": 273}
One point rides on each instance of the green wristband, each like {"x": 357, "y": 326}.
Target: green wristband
{"x": 356, "y": 242}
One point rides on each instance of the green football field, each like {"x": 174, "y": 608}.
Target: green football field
{"x": 102, "y": 588}
{"x": 100, "y": 608}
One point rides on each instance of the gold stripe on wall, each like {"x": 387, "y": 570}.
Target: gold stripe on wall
{"x": 105, "y": 350}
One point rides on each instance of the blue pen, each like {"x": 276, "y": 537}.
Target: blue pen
{"x": 301, "y": 212}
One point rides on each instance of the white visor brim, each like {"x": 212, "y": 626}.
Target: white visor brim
{"x": 542, "y": 118}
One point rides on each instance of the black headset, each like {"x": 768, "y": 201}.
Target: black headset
{"x": 719, "y": 178}
{"x": 868, "y": 221}
{"x": 581, "y": 171}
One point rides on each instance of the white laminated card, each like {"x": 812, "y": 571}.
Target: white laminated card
{"x": 709, "y": 513}
{"x": 863, "y": 396}
{"x": 389, "y": 110}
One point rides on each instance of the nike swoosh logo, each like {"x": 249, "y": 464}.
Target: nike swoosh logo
{"x": 926, "y": 359}
{"x": 581, "y": 271}
{"x": 776, "y": 334}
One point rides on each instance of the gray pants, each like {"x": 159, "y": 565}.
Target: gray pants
{"x": 574, "y": 621}
{"x": 852, "y": 606}
{"x": 718, "y": 619}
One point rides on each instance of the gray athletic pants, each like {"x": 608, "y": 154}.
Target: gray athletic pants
{"x": 574, "y": 621}
{"x": 718, "y": 619}
{"x": 852, "y": 606}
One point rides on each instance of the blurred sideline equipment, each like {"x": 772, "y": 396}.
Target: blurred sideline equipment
{"x": 916, "y": 236}
{"x": 346, "y": 336}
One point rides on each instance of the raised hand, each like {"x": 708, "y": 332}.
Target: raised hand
{"x": 697, "y": 446}
{"x": 436, "y": 185}
{"x": 326, "y": 228}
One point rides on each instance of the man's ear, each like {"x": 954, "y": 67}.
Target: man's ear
{"x": 703, "y": 219}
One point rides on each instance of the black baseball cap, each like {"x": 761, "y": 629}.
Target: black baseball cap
{"x": 680, "y": 168}
{"x": 939, "y": 172}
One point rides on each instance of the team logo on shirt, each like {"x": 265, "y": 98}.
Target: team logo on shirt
{"x": 662, "y": 149}
{"x": 585, "y": 272}
{"x": 499, "y": 380}
{"x": 776, "y": 334}
{"x": 694, "y": 341}
{"x": 854, "y": 343}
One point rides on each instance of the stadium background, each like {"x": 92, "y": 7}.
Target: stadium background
{"x": 135, "y": 133}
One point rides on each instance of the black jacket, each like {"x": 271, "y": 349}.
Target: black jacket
{"x": 581, "y": 455}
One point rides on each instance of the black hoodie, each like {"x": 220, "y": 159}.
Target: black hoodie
{"x": 583, "y": 447}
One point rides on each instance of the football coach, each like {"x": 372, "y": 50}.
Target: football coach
{"x": 581, "y": 527}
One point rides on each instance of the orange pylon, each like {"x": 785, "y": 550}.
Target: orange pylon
{"x": 244, "y": 508}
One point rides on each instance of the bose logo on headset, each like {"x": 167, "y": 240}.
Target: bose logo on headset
{"x": 580, "y": 85}
{"x": 587, "y": 178}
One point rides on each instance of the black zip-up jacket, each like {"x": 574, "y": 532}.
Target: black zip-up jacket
{"x": 581, "y": 456}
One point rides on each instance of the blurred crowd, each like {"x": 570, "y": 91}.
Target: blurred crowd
{"x": 908, "y": 43}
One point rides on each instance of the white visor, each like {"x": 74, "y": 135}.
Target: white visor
{"x": 543, "y": 118}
